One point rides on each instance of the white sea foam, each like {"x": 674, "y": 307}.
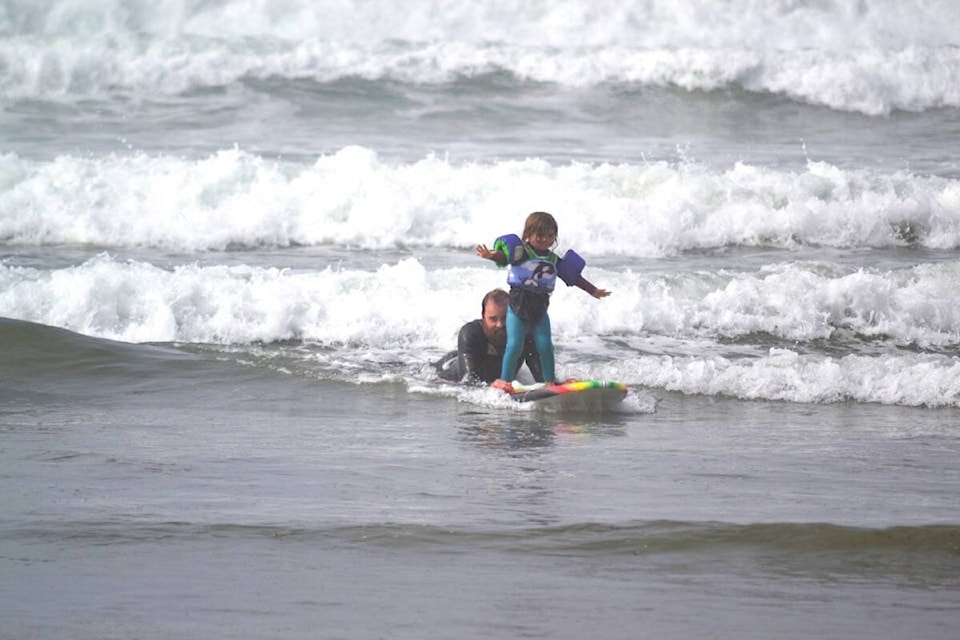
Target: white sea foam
{"x": 909, "y": 380}
{"x": 404, "y": 312}
{"x": 791, "y": 301}
{"x": 845, "y": 55}
{"x": 835, "y": 24}
{"x": 352, "y": 199}
{"x": 405, "y": 303}
{"x": 138, "y": 302}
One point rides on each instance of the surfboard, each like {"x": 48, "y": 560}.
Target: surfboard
{"x": 580, "y": 394}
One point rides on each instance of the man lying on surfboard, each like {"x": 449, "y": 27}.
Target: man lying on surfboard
{"x": 479, "y": 357}
{"x": 480, "y": 346}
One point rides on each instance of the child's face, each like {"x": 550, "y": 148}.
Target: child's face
{"x": 543, "y": 240}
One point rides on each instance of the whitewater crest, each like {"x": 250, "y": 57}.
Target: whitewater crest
{"x": 234, "y": 199}
{"x": 884, "y": 336}
{"x": 844, "y": 55}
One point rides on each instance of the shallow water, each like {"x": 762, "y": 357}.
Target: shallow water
{"x": 215, "y": 495}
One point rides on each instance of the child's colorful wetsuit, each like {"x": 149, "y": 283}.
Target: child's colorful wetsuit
{"x": 532, "y": 277}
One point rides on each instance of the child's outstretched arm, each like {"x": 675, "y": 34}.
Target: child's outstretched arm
{"x": 588, "y": 286}
{"x": 491, "y": 254}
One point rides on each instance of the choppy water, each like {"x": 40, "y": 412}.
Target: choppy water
{"x": 236, "y": 234}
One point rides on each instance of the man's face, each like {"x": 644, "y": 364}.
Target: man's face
{"x": 494, "y": 323}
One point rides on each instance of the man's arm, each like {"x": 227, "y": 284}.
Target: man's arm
{"x": 471, "y": 350}
{"x": 448, "y": 367}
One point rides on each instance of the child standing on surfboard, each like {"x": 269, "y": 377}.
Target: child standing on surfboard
{"x": 533, "y": 269}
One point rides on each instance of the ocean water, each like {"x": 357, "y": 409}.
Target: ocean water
{"x": 236, "y": 233}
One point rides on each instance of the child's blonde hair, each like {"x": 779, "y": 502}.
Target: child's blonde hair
{"x": 539, "y": 223}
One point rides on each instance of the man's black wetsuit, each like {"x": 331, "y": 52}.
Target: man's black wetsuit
{"x": 477, "y": 361}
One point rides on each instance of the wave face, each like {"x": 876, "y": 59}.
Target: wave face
{"x": 141, "y": 302}
{"x": 870, "y": 58}
{"x": 795, "y": 332}
{"x": 770, "y": 189}
{"x": 822, "y": 285}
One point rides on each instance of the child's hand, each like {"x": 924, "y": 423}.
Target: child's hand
{"x": 484, "y": 252}
{"x": 601, "y": 293}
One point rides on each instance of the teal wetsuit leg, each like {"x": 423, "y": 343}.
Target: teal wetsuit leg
{"x": 511, "y": 353}
{"x": 516, "y": 333}
{"x": 543, "y": 339}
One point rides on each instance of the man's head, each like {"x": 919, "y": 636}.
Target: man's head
{"x": 493, "y": 312}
